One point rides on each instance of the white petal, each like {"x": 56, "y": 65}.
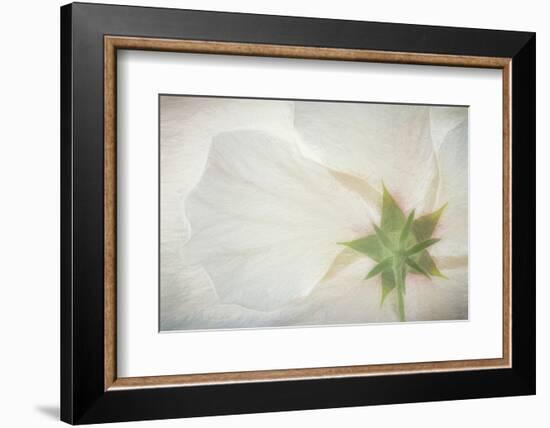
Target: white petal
{"x": 191, "y": 303}
{"x": 266, "y": 221}
{"x": 375, "y": 142}
{"x": 453, "y": 191}
{"x": 345, "y": 298}
{"x": 437, "y": 299}
{"x": 342, "y": 297}
{"x": 183, "y": 295}
{"x": 187, "y": 127}
{"x": 443, "y": 120}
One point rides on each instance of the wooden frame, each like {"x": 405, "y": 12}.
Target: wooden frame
{"x": 112, "y": 43}
{"x": 513, "y": 53}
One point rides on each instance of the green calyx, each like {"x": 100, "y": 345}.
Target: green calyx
{"x": 399, "y": 246}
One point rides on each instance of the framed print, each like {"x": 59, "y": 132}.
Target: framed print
{"x": 265, "y": 213}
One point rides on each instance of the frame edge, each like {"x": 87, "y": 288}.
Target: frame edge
{"x": 66, "y": 261}
{"x": 524, "y": 215}
{"x": 113, "y": 43}
{"x": 81, "y": 400}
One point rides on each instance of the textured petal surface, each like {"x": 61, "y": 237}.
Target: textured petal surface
{"x": 445, "y": 119}
{"x": 453, "y": 191}
{"x": 265, "y": 221}
{"x": 438, "y": 299}
{"x": 342, "y": 297}
{"x": 255, "y": 195}
{"x": 187, "y": 127}
{"x": 390, "y": 144}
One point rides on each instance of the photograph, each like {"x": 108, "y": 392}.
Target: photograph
{"x": 267, "y": 210}
{"x": 287, "y": 213}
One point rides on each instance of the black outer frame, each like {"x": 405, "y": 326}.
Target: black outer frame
{"x": 83, "y": 399}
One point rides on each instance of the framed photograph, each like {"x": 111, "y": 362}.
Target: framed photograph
{"x": 265, "y": 213}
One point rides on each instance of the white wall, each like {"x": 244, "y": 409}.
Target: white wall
{"x": 29, "y": 213}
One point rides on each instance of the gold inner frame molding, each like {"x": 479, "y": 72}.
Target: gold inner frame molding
{"x": 113, "y": 43}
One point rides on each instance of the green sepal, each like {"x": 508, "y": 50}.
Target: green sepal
{"x": 423, "y": 227}
{"x": 388, "y": 284}
{"x": 383, "y": 238}
{"x": 380, "y": 267}
{"x": 392, "y": 216}
{"x": 427, "y": 262}
{"x": 421, "y": 246}
{"x": 417, "y": 267}
{"x": 406, "y": 229}
{"x": 387, "y": 247}
{"x": 368, "y": 245}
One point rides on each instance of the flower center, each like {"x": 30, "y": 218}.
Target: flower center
{"x": 399, "y": 246}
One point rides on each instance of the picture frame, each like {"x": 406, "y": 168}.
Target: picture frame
{"x": 91, "y": 390}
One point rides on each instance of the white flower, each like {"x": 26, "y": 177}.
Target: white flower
{"x": 273, "y": 189}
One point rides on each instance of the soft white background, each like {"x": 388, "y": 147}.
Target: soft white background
{"x": 29, "y": 234}
{"x": 144, "y": 352}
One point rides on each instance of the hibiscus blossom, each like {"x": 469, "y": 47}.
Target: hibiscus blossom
{"x": 308, "y": 213}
